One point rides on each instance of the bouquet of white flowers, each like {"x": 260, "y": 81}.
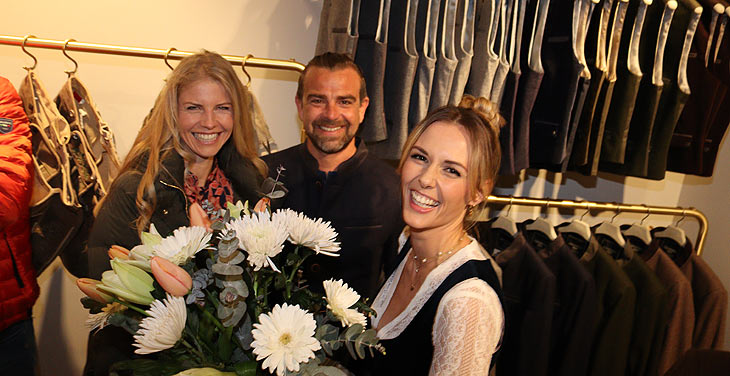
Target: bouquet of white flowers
{"x": 232, "y": 299}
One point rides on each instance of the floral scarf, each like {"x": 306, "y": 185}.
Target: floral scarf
{"x": 213, "y": 195}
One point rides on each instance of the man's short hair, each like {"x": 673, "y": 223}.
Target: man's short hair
{"x": 332, "y": 61}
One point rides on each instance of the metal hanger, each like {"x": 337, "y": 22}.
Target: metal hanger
{"x": 76, "y": 65}
{"x": 243, "y": 68}
{"x": 22, "y": 46}
{"x": 168, "y": 54}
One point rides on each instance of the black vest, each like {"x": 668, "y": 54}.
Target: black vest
{"x": 416, "y": 338}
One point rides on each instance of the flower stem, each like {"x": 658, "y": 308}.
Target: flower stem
{"x": 195, "y": 351}
{"x": 131, "y": 306}
{"x": 212, "y": 318}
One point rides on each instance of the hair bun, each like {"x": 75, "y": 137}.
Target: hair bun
{"x": 484, "y": 108}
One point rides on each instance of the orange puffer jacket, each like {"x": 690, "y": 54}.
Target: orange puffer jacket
{"x": 18, "y": 286}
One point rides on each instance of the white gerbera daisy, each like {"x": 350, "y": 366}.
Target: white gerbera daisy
{"x": 285, "y": 338}
{"x": 261, "y": 236}
{"x": 184, "y": 243}
{"x": 163, "y": 328}
{"x": 340, "y": 298}
{"x": 99, "y": 320}
{"x": 317, "y": 235}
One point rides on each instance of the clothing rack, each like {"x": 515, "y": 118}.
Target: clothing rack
{"x": 293, "y": 65}
{"x": 166, "y": 54}
{"x": 610, "y": 206}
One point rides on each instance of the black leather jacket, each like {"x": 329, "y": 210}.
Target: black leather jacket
{"x": 114, "y": 225}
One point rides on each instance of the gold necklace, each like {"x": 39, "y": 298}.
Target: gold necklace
{"x": 418, "y": 262}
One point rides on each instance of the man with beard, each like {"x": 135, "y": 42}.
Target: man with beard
{"x": 332, "y": 176}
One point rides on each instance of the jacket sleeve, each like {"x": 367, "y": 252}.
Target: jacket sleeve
{"x": 114, "y": 224}
{"x": 16, "y": 164}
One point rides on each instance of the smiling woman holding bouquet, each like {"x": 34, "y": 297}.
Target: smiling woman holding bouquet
{"x": 195, "y": 150}
{"x": 442, "y": 301}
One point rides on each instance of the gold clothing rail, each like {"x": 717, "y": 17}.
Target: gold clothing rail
{"x": 167, "y": 54}
{"x": 613, "y": 207}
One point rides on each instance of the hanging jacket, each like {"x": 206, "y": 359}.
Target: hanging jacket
{"x": 17, "y": 275}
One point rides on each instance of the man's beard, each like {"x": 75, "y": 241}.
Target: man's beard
{"x": 330, "y": 145}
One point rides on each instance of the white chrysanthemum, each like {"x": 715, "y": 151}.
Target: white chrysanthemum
{"x": 340, "y": 298}
{"x": 317, "y": 235}
{"x": 183, "y": 244}
{"x": 285, "y": 338}
{"x": 261, "y": 236}
{"x": 163, "y": 328}
{"x": 99, "y": 320}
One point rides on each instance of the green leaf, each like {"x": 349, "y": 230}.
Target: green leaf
{"x": 292, "y": 259}
{"x": 193, "y": 321}
{"x": 125, "y": 322}
{"x": 146, "y": 367}
{"x": 92, "y": 305}
{"x": 225, "y": 348}
{"x": 280, "y": 281}
{"x": 245, "y": 368}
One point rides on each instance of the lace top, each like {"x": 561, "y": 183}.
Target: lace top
{"x": 469, "y": 321}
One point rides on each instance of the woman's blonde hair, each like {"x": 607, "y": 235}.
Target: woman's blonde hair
{"x": 481, "y": 120}
{"x": 159, "y": 134}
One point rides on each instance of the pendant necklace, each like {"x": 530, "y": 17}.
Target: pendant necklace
{"x": 418, "y": 262}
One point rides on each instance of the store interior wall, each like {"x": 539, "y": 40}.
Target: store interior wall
{"x": 124, "y": 89}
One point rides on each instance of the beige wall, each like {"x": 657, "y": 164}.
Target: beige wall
{"x": 125, "y": 87}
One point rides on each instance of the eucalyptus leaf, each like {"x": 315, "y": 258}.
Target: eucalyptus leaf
{"x": 366, "y": 338}
{"x": 227, "y": 269}
{"x": 327, "y": 332}
{"x": 125, "y": 322}
{"x": 327, "y": 348}
{"x": 353, "y": 331}
{"x": 276, "y": 194}
{"x": 218, "y": 226}
{"x": 350, "y": 349}
{"x": 243, "y": 334}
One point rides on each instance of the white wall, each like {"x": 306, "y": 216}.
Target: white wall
{"x": 125, "y": 87}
